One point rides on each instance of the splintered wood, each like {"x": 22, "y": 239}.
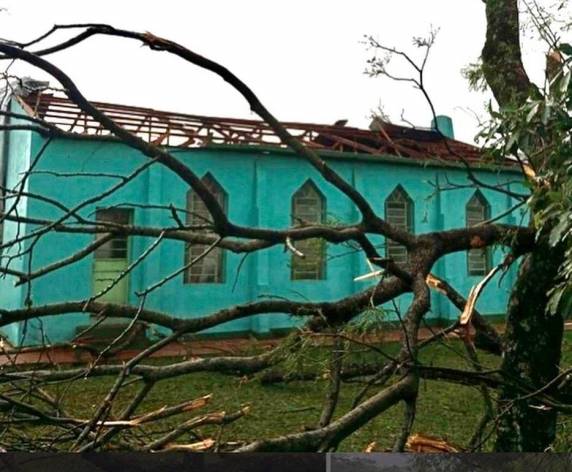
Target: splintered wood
{"x": 465, "y": 317}
{"x": 429, "y": 444}
{"x": 474, "y": 294}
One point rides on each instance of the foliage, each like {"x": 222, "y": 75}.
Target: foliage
{"x": 473, "y": 73}
{"x": 538, "y": 136}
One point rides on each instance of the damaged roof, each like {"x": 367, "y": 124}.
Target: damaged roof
{"x": 192, "y": 131}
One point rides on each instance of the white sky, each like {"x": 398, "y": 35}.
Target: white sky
{"x": 304, "y": 59}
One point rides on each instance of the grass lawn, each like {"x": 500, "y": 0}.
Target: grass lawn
{"x": 444, "y": 410}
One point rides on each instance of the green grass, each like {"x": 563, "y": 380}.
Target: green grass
{"x": 444, "y": 409}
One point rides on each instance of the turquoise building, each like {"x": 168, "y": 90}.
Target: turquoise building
{"x": 259, "y": 183}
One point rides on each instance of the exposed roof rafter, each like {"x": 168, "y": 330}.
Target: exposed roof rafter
{"x": 183, "y": 130}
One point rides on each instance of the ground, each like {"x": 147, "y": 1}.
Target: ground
{"x": 444, "y": 410}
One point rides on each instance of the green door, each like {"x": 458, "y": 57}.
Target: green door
{"x": 106, "y": 272}
{"x": 112, "y": 259}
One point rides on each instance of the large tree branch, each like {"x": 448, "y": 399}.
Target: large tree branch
{"x": 161, "y": 44}
{"x": 333, "y": 312}
{"x": 337, "y": 430}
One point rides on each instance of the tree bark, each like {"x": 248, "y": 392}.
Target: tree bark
{"x": 533, "y": 338}
{"x": 502, "y": 59}
{"x": 533, "y": 342}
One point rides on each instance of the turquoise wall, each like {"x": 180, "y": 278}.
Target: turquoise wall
{"x": 259, "y": 183}
{"x": 15, "y": 154}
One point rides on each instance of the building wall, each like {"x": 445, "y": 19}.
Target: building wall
{"x": 259, "y": 184}
{"x": 15, "y": 155}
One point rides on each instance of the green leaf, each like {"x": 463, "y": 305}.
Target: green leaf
{"x": 558, "y": 230}
{"x": 566, "y": 48}
{"x": 532, "y": 112}
{"x": 554, "y": 300}
{"x": 565, "y": 307}
{"x": 565, "y": 82}
{"x": 512, "y": 140}
{"x": 546, "y": 112}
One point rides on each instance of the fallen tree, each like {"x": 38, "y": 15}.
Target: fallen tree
{"x": 529, "y": 375}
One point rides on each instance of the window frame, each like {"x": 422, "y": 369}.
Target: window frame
{"x": 296, "y": 261}
{"x": 409, "y": 218}
{"x": 487, "y": 254}
{"x": 192, "y": 199}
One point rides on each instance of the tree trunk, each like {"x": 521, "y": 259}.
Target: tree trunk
{"x": 533, "y": 338}
{"x": 533, "y": 342}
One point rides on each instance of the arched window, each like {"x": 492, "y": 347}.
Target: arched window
{"x": 477, "y": 211}
{"x": 209, "y": 269}
{"x": 309, "y": 207}
{"x": 399, "y": 213}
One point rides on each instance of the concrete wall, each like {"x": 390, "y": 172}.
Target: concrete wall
{"x": 15, "y": 154}
{"x": 259, "y": 184}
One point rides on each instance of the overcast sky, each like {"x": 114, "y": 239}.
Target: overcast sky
{"x": 304, "y": 58}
